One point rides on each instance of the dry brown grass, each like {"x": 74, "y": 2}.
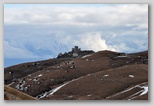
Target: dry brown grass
{"x": 100, "y": 88}
{"x": 16, "y": 93}
{"x": 90, "y": 71}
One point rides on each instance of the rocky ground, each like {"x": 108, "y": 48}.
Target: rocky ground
{"x": 104, "y": 75}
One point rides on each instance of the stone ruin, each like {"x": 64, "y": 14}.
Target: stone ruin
{"x": 76, "y": 49}
{"x": 76, "y": 52}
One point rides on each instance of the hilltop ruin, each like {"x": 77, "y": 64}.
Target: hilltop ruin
{"x": 76, "y": 52}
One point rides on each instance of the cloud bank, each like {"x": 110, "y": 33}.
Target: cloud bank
{"x": 41, "y": 32}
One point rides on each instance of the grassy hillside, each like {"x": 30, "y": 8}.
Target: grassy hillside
{"x": 10, "y": 93}
{"x": 94, "y": 76}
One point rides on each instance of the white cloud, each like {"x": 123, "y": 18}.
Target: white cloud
{"x": 44, "y": 31}
{"x": 114, "y": 15}
{"x": 92, "y": 41}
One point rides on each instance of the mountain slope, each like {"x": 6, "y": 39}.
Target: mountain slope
{"x": 84, "y": 77}
{"x": 103, "y": 84}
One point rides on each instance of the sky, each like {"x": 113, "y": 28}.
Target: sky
{"x": 35, "y": 32}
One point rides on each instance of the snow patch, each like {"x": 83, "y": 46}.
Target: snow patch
{"x": 88, "y": 74}
{"x": 40, "y": 75}
{"x": 145, "y": 91}
{"x": 136, "y": 94}
{"x": 131, "y": 76}
{"x": 122, "y": 56}
{"x": 89, "y": 95}
{"x": 70, "y": 96}
{"x": 56, "y": 89}
{"x": 10, "y": 84}
{"x": 52, "y": 91}
{"x": 42, "y": 95}
{"x": 106, "y": 75}
{"x": 35, "y": 79}
{"x": 21, "y": 86}
{"x": 86, "y": 56}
